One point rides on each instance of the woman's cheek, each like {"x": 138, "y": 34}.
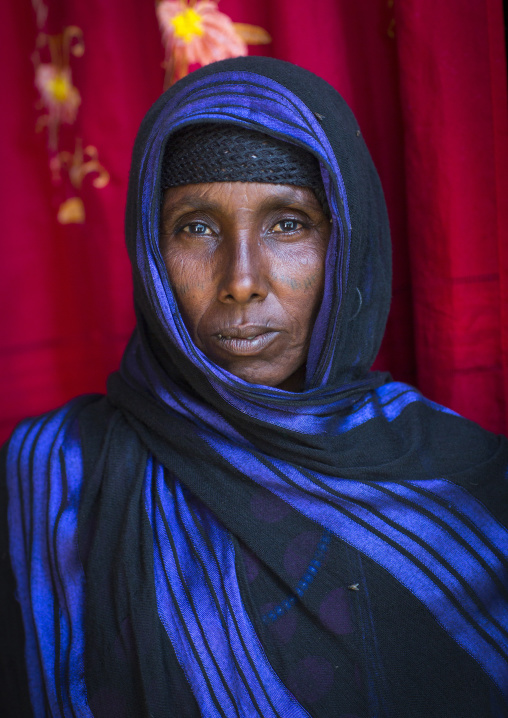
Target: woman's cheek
{"x": 189, "y": 279}
{"x": 303, "y": 275}
{"x": 298, "y": 282}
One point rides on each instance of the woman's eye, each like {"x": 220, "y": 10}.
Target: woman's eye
{"x": 197, "y": 228}
{"x": 287, "y": 225}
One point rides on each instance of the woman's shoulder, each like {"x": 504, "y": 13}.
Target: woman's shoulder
{"x": 39, "y": 443}
{"x": 42, "y": 431}
{"x": 444, "y": 447}
{"x": 436, "y": 426}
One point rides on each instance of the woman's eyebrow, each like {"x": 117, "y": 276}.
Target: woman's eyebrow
{"x": 188, "y": 204}
{"x": 288, "y": 199}
{"x": 276, "y": 200}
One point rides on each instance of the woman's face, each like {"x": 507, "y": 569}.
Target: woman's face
{"x": 246, "y": 263}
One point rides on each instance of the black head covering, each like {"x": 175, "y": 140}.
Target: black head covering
{"x": 229, "y": 153}
{"x": 359, "y": 262}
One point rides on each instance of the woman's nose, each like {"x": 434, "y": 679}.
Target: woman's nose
{"x": 243, "y": 271}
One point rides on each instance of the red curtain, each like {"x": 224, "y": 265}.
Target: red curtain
{"x": 427, "y": 81}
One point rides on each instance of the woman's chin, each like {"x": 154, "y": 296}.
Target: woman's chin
{"x": 266, "y": 374}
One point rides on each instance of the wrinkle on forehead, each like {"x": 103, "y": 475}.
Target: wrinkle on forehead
{"x": 206, "y": 197}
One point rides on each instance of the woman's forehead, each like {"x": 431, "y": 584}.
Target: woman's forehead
{"x": 213, "y": 194}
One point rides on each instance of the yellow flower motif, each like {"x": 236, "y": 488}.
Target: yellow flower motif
{"x": 60, "y": 97}
{"x": 194, "y": 32}
{"x": 59, "y": 87}
{"x": 188, "y": 25}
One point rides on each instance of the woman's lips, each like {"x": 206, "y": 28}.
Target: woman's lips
{"x": 245, "y": 340}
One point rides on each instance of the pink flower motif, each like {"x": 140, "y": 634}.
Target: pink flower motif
{"x": 60, "y": 97}
{"x": 196, "y": 33}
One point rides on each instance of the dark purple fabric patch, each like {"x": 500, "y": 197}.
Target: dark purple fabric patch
{"x": 284, "y": 627}
{"x": 269, "y": 508}
{"x": 251, "y": 564}
{"x": 123, "y": 646}
{"x": 358, "y": 676}
{"x": 299, "y": 553}
{"x": 334, "y": 612}
{"x": 311, "y": 679}
{"x": 107, "y": 702}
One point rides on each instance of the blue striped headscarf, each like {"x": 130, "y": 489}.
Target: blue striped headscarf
{"x": 149, "y": 496}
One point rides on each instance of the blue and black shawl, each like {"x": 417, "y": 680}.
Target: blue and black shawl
{"x": 194, "y": 545}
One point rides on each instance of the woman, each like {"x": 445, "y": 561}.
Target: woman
{"x": 251, "y": 523}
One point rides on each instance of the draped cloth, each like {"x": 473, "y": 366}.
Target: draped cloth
{"x": 193, "y": 544}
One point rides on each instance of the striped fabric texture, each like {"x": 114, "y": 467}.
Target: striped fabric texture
{"x": 416, "y": 494}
